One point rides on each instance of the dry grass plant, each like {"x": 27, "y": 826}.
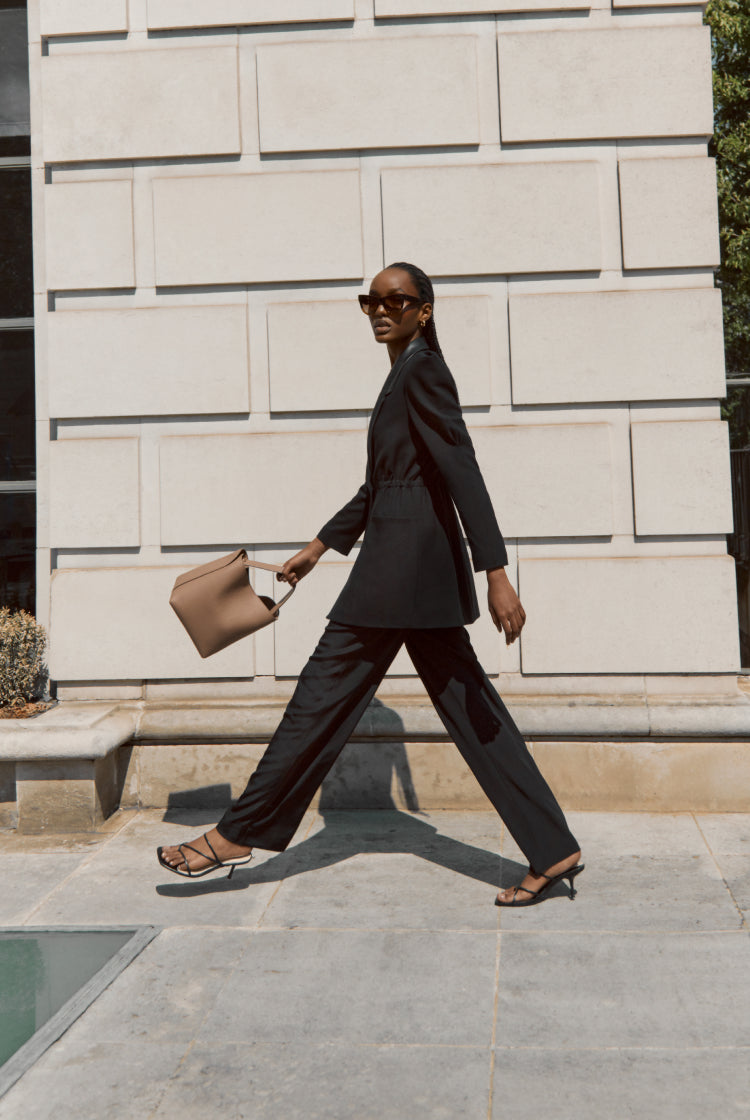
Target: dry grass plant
{"x": 23, "y": 673}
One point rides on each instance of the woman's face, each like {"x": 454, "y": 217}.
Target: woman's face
{"x": 397, "y": 327}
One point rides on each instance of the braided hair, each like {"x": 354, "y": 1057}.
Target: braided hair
{"x": 426, "y": 293}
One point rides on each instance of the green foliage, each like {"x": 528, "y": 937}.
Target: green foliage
{"x": 23, "y": 673}
{"x": 729, "y": 21}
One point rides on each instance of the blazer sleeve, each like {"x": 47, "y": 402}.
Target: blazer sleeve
{"x": 438, "y": 426}
{"x": 347, "y": 526}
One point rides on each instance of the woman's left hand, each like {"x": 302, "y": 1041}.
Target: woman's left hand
{"x": 505, "y": 606}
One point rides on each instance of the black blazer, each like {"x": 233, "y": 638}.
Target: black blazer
{"x": 413, "y": 569}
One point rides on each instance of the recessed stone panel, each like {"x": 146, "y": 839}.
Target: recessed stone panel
{"x": 94, "y": 493}
{"x": 148, "y": 361}
{"x": 89, "y": 234}
{"x": 256, "y": 487}
{"x": 117, "y": 624}
{"x": 681, "y": 479}
{"x": 233, "y": 13}
{"x": 395, "y": 8}
{"x": 548, "y": 480}
{"x": 318, "y": 96}
{"x": 643, "y": 81}
{"x": 82, "y": 17}
{"x": 493, "y": 218}
{"x": 139, "y": 104}
{"x": 266, "y": 227}
{"x": 669, "y": 210}
{"x": 616, "y": 346}
{"x": 629, "y": 615}
{"x": 303, "y": 377}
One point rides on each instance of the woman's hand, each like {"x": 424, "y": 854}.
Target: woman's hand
{"x": 505, "y": 606}
{"x": 293, "y": 570}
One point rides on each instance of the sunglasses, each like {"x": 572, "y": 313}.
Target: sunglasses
{"x": 392, "y": 305}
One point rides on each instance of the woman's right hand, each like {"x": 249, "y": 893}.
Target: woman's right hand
{"x": 293, "y": 570}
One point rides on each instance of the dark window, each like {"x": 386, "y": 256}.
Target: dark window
{"x": 17, "y": 460}
{"x": 14, "y": 71}
{"x": 16, "y": 285}
{"x": 17, "y": 543}
{"x": 17, "y": 406}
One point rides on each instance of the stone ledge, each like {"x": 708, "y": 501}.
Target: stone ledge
{"x": 70, "y": 768}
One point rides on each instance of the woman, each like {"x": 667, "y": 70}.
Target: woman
{"x": 411, "y": 584}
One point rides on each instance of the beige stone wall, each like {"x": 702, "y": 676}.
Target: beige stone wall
{"x": 215, "y": 180}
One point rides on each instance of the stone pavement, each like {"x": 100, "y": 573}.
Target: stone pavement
{"x": 365, "y": 973}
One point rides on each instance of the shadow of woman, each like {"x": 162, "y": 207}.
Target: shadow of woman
{"x": 359, "y": 815}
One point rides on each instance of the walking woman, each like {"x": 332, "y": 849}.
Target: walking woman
{"x": 410, "y": 585}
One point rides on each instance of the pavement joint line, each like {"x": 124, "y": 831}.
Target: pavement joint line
{"x": 730, "y": 892}
{"x": 264, "y": 911}
{"x": 154, "y": 1112}
{"x": 106, "y": 840}
{"x": 495, "y": 1005}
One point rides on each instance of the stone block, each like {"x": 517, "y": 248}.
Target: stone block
{"x": 295, "y": 641}
{"x": 117, "y": 624}
{"x": 321, "y": 96}
{"x": 267, "y": 227}
{"x": 163, "y": 14}
{"x": 285, "y": 485}
{"x": 304, "y": 379}
{"x": 102, "y": 106}
{"x": 669, "y": 212}
{"x": 565, "y": 486}
{"x": 89, "y": 234}
{"x": 629, "y": 614}
{"x": 616, "y": 346}
{"x": 555, "y": 222}
{"x": 148, "y": 361}
{"x": 396, "y": 8}
{"x": 655, "y": 777}
{"x": 94, "y": 493}
{"x": 193, "y": 775}
{"x": 65, "y": 796}
{"x": 82, "y": 17}
{"x": 681, "y": 479}
{"x": 640, "y": 81}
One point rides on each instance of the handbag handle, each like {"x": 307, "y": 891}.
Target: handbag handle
{"x": 268, "y": 568}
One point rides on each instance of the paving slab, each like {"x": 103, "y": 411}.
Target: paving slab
{"x": 365, "y": 972}
{"x": 658, "y": 1084}
{"x": 284, "y": 1081}
{"x": 94, "y": 1080}
{"x": 402, "y": 987}
{"x": 588, "y": 990}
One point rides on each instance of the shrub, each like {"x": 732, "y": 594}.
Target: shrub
{"x": 23, "y": 673}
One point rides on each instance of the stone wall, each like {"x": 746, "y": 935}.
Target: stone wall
{"x": 215, "y": 180}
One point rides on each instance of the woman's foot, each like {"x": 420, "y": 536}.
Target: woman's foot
{"x": 186, "y": 859}
{"x": 534, "y": 882}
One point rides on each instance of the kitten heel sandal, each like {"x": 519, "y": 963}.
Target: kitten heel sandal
{"x": 216, "y": 865}
{"x": 537, "y": 896}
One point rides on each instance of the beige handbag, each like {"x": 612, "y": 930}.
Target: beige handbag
{"x": 216, "y": 604}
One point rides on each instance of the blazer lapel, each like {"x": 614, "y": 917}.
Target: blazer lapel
{"x": 414, "y": 347}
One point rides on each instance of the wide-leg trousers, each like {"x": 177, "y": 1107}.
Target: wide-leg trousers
{"x": 333, "y": 692}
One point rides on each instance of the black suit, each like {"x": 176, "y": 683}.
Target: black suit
{"x": 413, "y": 569}
{"x": 411, "y": 584}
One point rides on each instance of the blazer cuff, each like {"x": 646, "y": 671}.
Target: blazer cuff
{"x": 334, "y": 540}
{"x": 482, "y": 562}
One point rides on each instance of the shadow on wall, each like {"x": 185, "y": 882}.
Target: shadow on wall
{"x": 364, "y": 776}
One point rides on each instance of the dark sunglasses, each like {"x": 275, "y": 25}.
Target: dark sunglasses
{"x": 392, "y": 305}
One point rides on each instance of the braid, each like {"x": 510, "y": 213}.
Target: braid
{"x": 427, "y": 295}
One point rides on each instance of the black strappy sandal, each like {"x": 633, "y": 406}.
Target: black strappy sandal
{"x": 215, "y": 866}
{"x": 537, "y": 896}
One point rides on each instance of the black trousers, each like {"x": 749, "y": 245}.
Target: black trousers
{"x": 332, "y": 693}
